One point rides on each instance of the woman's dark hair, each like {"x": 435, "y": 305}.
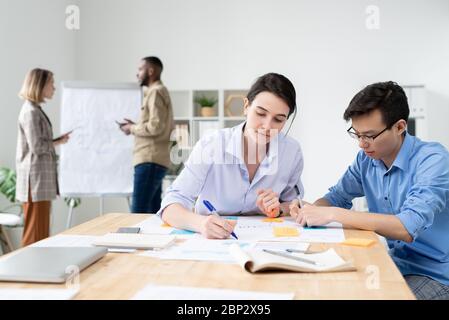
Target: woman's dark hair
{"x": 278, "y": 85}
{"x": 388, "y": 97}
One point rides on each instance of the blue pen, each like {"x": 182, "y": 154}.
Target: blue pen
{"x": 212, "y": 210}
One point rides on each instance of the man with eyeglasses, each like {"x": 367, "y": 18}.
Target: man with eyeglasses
{"x": 406, "y": 185}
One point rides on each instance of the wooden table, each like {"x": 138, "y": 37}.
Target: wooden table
{"x": 122, "y": 275}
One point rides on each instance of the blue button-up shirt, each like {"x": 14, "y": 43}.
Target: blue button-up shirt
{"x": 415, "y": 189}
{"x": 216, "y": 171}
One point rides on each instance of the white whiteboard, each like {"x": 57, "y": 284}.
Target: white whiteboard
{"x": 97, "y": 160}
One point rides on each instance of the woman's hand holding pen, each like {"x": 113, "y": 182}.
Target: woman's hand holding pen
{"x": 215, "y": 227}
{"x": 268, "y": 202}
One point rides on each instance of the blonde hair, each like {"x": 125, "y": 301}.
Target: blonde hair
{"x": 34, "y": 84}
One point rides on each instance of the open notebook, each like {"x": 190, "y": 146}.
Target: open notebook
{"x": 258, "y": 260}
{"x": 134, "y": 241}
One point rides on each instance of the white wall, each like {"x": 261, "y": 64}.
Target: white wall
{"x": 32, "y": 34}
{"x": 322, "y": 46}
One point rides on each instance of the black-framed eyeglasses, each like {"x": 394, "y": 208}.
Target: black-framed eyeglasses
{"x": 364, "y": 137}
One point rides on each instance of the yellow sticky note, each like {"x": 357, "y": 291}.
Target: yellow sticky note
{"x": 273, "y": 220}
{"x": 285, "y": 232}
{"x": 359, "y": 242}
{"x": 165, "y": 225}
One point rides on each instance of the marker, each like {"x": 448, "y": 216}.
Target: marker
{"x": 213, "y": 211}
{"x": 273, "y": 213}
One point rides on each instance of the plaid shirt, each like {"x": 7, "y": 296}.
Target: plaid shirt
{"x": 36, "y": 156}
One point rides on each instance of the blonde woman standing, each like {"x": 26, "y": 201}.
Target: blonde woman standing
{"x": 37, "y": 182}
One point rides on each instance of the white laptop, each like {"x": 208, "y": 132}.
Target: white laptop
{"x": 47, "y": 264}
{"x": 135, "y": 241}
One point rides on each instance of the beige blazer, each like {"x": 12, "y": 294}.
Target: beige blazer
{"x": 35, "y": 156}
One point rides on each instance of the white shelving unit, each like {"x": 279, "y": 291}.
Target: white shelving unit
{"x": 186, "y": 111}
{"x": 416, "y": 95}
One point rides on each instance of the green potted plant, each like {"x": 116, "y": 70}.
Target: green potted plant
{"x": 207, "y": 105}
{"x": 8, "y": 189}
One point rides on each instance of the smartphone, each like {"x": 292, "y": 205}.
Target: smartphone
{"x": 128, "y": 230}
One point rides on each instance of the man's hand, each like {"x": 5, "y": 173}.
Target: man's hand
{"x": 311, "y": 215}
{"x": 295, "y": 206}
{"x": 126, "y": 128}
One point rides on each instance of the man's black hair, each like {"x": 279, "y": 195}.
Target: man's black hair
{"x": 388, "y": 97}
{"x": 155, "y": 61}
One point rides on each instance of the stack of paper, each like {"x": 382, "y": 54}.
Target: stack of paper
{"x": 216, "y": 250}
{"x": 155, "y": 225}
{"x": 134, "y": 240}
{"x": 199, "y": 249}
{"x": 259, "y": 228}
